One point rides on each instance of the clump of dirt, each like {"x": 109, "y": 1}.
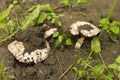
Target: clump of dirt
{"x": 61, "y": 58}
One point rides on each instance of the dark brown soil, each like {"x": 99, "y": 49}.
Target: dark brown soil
{"x": 50, "y": 69}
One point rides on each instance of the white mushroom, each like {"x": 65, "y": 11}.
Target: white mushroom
{"x": 49, "y": 32}
{"x": 85, "y": 28}
{"x": 18, "y": 50}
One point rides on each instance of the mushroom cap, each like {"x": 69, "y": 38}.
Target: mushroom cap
{"x": 18, "y": 50}
{"x": 49, "y": 32}
{"x": 85, "y": 28}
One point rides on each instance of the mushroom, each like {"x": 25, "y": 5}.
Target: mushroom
{"x": 86, "y": 29}
{"x": 18, "y": 50}
{"x": 49, "y": 32}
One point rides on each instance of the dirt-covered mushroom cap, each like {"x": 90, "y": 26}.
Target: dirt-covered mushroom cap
{"x": 17, "y": 48}
{"x": 85, "y": 28}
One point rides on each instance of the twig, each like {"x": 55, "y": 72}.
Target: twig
{"x": 115, "y": 75}
{"x": 103, "y": 61}
{"x": 63, "y": 74}
{"x": 60, "y": 66}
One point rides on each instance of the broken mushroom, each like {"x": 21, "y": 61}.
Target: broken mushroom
{"x": 85, "y": 28}
{"x": 18, "y": 50}
{"x": 49, "y": 32}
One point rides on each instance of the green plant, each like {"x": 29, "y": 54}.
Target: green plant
{"x": 61, "y": 38}
{"x": 55, "y": 18}
{"x": 111, "y": 27}
{"x": 3, "y": 75}
{"x": 7, "y": 26}
{"x": 38, "y": 14}
{"x": 87, "y": 71}
{"x": 103, "y": 71}
{"x": 115, "y": 67}
{"x": 74, "y": 3}
{"x": 82, "y": 71}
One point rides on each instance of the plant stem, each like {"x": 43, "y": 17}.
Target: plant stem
{"x": 103, "y": 61}
{"x": 112, "y": 9}
{"x": 90, "y": 54}
{"x": 9, "y": 36}
{"x": 101, "y": 33}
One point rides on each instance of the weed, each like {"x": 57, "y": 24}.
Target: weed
{"x": 3, "y": 75}
{"x": 115, "y": 67}
{"x": 74, "y": 3}
{"x": 7, "y": 25}
{"x": 87, "y": 71}
{"x": 55, "y": 18}
{"x": 38, "y": 14}
{"x": 61, "y": 38}
{"x": 82, "y": 72}
{"x": 112, "y": 28}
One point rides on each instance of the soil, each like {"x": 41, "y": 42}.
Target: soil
{"x": 64, "y": 56}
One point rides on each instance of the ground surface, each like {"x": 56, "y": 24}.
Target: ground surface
{"x": 50, "y": 68}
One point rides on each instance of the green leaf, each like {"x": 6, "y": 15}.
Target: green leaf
{"x": 95, "y": 45}
{"x": 116, "y": 22}
{"x": 11, "y": 26}
{"x": 65, "y": 2}
{"x": 4, "y": 21}
{"x": 110, "y": 75}
{"x": 98, "y": 70}
{"x": 60, "y": 15}
{"x": 113, "y": 66}
{"x": 4, "y": 14}
{"x": 1, "y": 70}
{"x": 42, "y": 18}
{"x": 46, "y": 7}
{"x": 53, "y": 20}
{"x": 29, "y": 20}
{"x": 83, "y": 1}
{"x": 75, "y": 69}
{"x": 112, "y": 36}
{"x": 58, "y": 41}
{"x": 119, "y": 68}
{"x": 69, "y": 42}
{"x": 82, "y": 73}
{"x": 79, "y": 60}
{"x": 50, "y": 8}
{"x": 55, "y": 34}
{"x": 117, "y": 59}
{"x": 60, "y": 38}
{"x": 106, "y": 77}
{"x": 114, "y": 29}
{"x": 49, "y": 17}
{"x": 31, "y": 9}
{"x": 104, "y": 23}
{"x": 59, "y": 23}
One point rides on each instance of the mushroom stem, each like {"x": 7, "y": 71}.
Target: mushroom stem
{"x": 79, "y": 42}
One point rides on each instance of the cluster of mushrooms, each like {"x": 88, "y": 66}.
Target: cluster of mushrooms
{"x": 80, "y": 27}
